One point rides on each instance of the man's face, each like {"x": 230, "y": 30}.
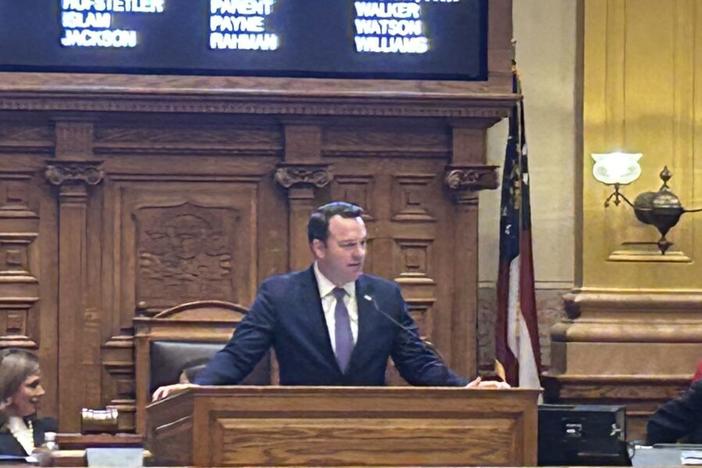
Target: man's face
{"x": 341, "y": 257}
{"x": 25, "y": 400}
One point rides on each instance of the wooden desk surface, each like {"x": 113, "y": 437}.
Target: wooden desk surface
{"x": 69, "y": 458}
{"x": 73, "y": 446}
{"x": 76, "y": 441}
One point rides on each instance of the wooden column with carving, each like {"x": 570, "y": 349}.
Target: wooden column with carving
{"x": 79, "y": 366}
{"x": 464, "y": 178}
{"x": 301, "y": 174}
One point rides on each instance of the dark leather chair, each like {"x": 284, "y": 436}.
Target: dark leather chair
{"x": 183, "y": 338}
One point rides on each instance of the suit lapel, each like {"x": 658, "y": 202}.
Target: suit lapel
{"x": 314, "y": 315}
{"x": 366, "y": 318}
{"x": 10, "y": 446}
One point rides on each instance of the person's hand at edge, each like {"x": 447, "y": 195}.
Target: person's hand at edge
{"x": 163, "y": 392}
{"x": 488, "y": 384}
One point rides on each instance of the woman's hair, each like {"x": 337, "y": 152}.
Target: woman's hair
{"x": 15, "y": 366}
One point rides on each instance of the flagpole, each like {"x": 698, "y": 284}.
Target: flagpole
{"x": 517, "y": 349}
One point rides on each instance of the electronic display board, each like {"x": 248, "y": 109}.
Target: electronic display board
{"x": 402, "y": 39}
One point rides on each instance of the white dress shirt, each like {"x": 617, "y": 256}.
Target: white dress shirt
{"x": 23, "y": 433}
{"x": 329, "y": 303}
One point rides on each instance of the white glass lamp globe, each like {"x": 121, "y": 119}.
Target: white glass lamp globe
{"x": 616, "y": 168}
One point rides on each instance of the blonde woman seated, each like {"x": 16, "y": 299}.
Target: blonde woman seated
{"x": 20, "y": 391}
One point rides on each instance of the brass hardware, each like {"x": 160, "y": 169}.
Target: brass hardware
{"x": 661, "y": 209}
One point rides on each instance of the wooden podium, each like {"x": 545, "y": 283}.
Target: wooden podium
{"x": 341, "y": 426}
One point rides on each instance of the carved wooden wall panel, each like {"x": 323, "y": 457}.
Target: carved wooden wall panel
{"x": 188, "y": 137}
{"x": 140, "y": 213}
{"x": 123, "y": 195}
{"x": 186, "y": 252}
{"x": 183, "y": 241}
{"x": 28, "y": 276}
{"x": 20, "y": 139}
{"x": 19, "y": 261}
{"x": 178, "y": 241}
{"x": 187, "y": 213}
{"x": 395, "y": 171}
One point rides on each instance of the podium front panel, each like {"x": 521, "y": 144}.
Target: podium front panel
{"x": 343, "y": 426}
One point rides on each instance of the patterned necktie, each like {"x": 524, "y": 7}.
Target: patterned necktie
{"x": 342, "y": 330}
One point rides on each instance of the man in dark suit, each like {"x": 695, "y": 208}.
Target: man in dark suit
{"x": 330, "y": 324}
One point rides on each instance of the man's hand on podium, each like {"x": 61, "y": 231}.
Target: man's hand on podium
{"x": 163, "y": 392}
{"x": 488, "y": 384}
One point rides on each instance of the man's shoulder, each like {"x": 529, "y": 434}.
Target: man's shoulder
{"x": 286, "y": 280}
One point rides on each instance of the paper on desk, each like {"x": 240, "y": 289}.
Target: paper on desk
{"x": 691, "y": 457}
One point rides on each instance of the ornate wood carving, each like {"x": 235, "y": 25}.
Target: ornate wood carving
{"x": 415, "y": 263}
{"x": 410, "y": 197}
{"x": 420, "y": 310}
{"x": 475, "y": 106}
{"x": 386, "y": 141}
{"x": 225, "y": 207}
{"x": 185, "y": 253}
{"x": 20, "y": 137}
{"x": 59, "y": 172}
{"x": 15, "y": 196}
{"x": 14, "y": 254}
{"x": 355, "y": 189}
{"x": 74, "y": 139}
{"x": 15, "y": 263}
{"x": 16, "y": 323}
{"x": 415, "y": 259}
{"x": 472, "y": 178}
{"x": 79, "y": 304}
{"x": 189, "y": 140}
{"x": 302, "y": 174}
{"x": 312, "y": 175}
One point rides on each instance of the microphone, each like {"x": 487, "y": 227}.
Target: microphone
{"x": 410, "y": 332}
{"x": 371, "y": 299}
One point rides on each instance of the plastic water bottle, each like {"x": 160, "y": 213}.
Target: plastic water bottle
{"x": 50, "y": 441}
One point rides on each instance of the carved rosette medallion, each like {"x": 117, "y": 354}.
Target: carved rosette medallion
{"x": 296, "y": 175}
{"x": 74, "y": 172}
